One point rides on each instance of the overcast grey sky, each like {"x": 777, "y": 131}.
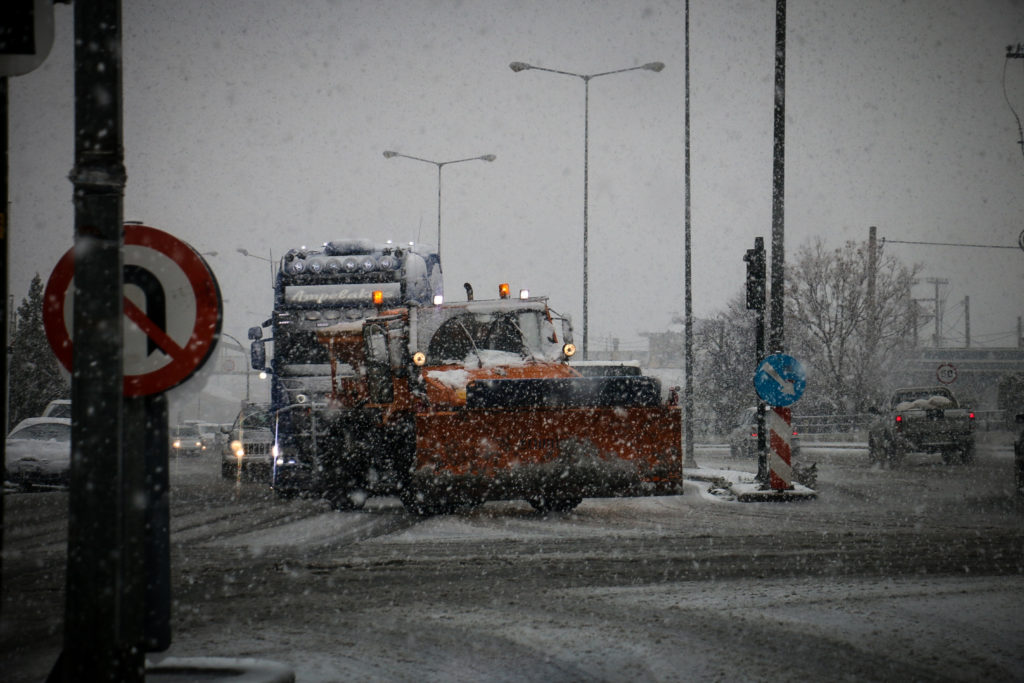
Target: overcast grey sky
{"x": 261, "y": 124}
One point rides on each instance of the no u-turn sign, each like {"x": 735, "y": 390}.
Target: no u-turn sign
{"x": 172, "y": 309}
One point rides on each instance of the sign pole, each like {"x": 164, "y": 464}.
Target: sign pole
{"x": 155, "y": 446}
{"x": 102, "y": 581}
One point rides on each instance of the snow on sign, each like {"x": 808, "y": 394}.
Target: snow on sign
{"x": 172, "y": 307}
{"x": 780, "y": 380}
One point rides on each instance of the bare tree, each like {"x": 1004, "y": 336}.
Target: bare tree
{"x": 835, "y": 325}
{"x": 724, "y": 366}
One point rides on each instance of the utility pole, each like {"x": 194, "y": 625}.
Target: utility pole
{"x": 872, "y": 277}
{"x": 937, "y": 281}
{"x": 967, "y": 322}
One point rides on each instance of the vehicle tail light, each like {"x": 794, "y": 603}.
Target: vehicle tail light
{"x": 970, "y": 415}
{"x": 378, "y": 297}
{"x": 899, "y": 421}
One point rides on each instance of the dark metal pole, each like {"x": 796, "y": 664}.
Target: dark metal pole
{"x": 688, "y": 455}
{"x": 5, "y": 267}
{"x": 586, "y": 177}
{"x": 101, "y": 631}
{"x": 439, "y": 211}
{"x": 759, "y": 351}
{"x": 155, "y": 442}
{"x": 776, "y": 340}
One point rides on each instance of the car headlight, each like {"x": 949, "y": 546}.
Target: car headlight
{"x": 177, "y": 443}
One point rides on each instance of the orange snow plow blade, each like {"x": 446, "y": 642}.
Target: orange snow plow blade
{"x": 554, "y": 453}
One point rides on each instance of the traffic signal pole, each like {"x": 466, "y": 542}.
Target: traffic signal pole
{"x": 776, "y": 336}
{"x": 755, "y": 260}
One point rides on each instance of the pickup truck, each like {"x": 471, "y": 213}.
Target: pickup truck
{"x": 922, "y": 419}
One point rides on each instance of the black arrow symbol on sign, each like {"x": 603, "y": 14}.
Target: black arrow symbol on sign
{"x": 156, "y": 302}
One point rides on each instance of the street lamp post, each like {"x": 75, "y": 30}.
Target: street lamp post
{"x": 586, "y": 78}
{"x": 388, "y": 154}
{"x": 246, "y": 252}
{"x": 247, "y": 368}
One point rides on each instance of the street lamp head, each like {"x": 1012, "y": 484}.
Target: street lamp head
{"x": 488, "y": 157}
{"x": 519, "y": 66}
{"x": 243, "y": 252}
{"x": 389, "y": 154}
{"x": 654, "y": 66}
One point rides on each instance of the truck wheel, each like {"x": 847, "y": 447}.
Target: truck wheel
{"x": 892, "y": 453}
{"x": 554, "y": 504}
{"x": 227, "y": 470}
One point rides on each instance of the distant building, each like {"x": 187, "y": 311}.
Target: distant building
{"x": 973, "y": 373}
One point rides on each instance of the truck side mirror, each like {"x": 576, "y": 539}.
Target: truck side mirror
{"x": 566, "y": 331}
{"x": 257, "y": 354}
{"x": 255, "y": 333}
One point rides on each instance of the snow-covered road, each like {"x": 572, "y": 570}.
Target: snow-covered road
{"x": 915, "y": 573}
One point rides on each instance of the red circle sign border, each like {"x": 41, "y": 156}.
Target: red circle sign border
{"x": 939, "y": 373}
{"x": 205, "y": 331}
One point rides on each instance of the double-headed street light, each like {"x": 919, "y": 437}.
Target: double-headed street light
{"x": 586, "y": 78}
{"x": 388, "y": 154}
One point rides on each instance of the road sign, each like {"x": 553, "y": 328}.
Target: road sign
{"x": 172, "y": 307}
{"x": 780, "y": 380}
{"x": 946, "y": 373}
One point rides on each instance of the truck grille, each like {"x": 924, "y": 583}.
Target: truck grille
{"x": 256, "y": 448}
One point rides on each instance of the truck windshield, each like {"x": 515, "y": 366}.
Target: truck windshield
{"x": 299, "y": 347}
{"x": 461, "y": 335}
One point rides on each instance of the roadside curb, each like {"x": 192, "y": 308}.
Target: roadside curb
{"x": 742, "y": 487}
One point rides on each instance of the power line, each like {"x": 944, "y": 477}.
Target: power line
{"x": 951, "y": 244}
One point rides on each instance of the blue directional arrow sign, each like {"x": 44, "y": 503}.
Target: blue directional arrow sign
{"x": 780, "y": 380}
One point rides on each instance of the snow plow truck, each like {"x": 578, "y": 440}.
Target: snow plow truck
{"x": 455, "y": 404}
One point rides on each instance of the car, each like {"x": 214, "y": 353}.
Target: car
{"x": 210, "y": 434}
{"x": 743, "y": 437}
{"x": 186, "y": 440}
{"x": 248, "y": 448}
{"x": 58, "y": 408}
{"x": 39, "y": 452}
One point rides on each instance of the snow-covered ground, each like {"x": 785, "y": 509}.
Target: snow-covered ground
{"x": 909, "y": 574}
